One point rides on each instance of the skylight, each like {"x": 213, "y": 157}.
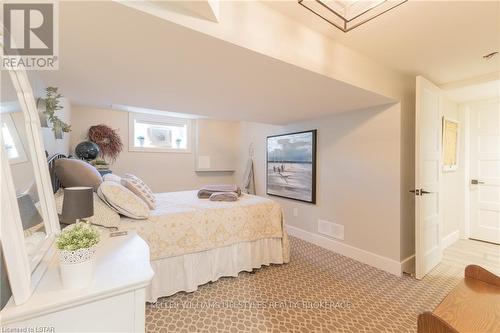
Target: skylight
{"x": 349, "y": 14}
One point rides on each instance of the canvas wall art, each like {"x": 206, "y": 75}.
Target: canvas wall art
{"x": 450, "y": 144}
{"x": 291, "y": 166}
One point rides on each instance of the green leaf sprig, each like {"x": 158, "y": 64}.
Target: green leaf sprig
{"x": 52, "y": 104}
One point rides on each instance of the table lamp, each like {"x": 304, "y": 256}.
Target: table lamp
{"x": 27, "y": 209}
{"x": 78, "y": 204}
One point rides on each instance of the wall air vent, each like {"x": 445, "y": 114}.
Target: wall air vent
{"x": 331, "y": 229}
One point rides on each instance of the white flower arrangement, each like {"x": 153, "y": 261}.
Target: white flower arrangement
{"x": 79, "y": 236}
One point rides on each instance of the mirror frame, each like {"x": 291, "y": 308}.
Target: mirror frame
{"x": 24, "y": 274}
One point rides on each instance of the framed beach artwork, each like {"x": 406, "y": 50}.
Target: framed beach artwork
{"x": 450, "y": 144}
{"x": 291, "y": 166}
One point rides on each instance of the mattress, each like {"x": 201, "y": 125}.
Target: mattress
{"x": 182, "y": 223}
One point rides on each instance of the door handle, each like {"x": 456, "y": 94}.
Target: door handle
{"x": 476, "y": 182}
{"x": 420, "y": 192}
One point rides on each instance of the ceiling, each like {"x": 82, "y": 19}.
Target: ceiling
{"x": 111, "y": 54}
{"x": 441, "y": 40}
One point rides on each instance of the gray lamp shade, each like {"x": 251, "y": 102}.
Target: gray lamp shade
{"x": 78, "y": 203}
{"x": 27, "y": 209}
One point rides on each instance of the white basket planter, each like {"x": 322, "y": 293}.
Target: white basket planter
{"x": 77, "y": 267}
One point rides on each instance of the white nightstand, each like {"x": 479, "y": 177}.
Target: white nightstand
{"x": 114, "y": 302}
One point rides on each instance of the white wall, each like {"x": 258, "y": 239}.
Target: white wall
{"x": 164, "y": 172}
{"x": 358, "y": 176}
{"x": 217, "y": 145}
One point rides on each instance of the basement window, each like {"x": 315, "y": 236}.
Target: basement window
{"x": 157, "y": 133}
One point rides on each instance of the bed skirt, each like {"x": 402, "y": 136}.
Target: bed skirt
{"x": 187, "y": 272}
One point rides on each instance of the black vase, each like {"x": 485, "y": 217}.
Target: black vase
{"x": 87, "y": 150}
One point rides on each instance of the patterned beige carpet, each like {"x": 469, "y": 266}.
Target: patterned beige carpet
{"x": 318, "y": 291}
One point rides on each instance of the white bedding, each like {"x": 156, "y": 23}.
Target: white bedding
{"x": 182, "y": 224}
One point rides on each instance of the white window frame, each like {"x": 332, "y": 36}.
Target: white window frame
{"x": 133, "y": 117}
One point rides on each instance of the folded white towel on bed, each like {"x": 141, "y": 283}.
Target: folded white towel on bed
{"x": 206, "y": 191}
{"x": 223, "y": 196}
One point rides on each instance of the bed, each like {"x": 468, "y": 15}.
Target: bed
{"x": 194, "y": 241}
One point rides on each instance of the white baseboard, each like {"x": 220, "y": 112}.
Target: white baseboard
{"x": 408, "y": 265}
{"x": 366, "y": 257}
{"x": 450, "y": 239}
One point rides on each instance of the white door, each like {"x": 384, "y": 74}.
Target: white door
{"x": 485, "y": 171}
{"x": 428, "y": 213}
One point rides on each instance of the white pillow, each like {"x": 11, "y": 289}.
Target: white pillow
{"x": 139, "y": 188}
{"x": 112, "y": 178}
{"x": 123, "y": 200}
{"x": 103, "y": 214}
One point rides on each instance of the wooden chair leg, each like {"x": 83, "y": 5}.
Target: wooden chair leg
{"x": 430, "y": 323}
{"x": 478, "y": 273}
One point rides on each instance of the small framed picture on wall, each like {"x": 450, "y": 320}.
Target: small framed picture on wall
{"x": 451, "y": 130}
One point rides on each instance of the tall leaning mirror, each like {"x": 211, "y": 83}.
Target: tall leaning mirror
{"x": 29, "y": 220}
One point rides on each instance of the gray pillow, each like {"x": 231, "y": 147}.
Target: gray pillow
{"x": 72, "y": 172}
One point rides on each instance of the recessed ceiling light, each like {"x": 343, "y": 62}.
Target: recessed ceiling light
{"x": 349, "y": 14}
{"x": 490, "y": 56}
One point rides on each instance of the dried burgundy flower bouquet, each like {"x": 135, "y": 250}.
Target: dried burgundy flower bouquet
{"x": 108, "y": 140}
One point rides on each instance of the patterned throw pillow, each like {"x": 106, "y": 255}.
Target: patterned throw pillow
{"x": 139, "y": 188}
{"x": 103, "y": 214}
{"x": 123, "y": 200}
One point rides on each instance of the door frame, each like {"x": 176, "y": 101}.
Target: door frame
{"x": 464, "y": 229}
